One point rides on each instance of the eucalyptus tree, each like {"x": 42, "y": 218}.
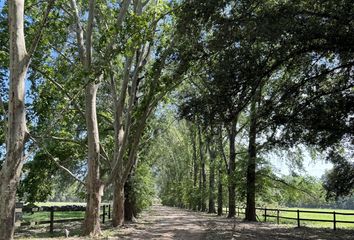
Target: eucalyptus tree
{"x": 122, "y": 62}
{"x": 17, "y": 135}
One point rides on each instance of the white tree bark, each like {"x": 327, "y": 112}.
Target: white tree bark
{"x": 16, "y": 130}
{"x": 94, "y": 186}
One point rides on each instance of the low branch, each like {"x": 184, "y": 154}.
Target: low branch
{"x": 55, "y": 160}
{"x": 60, "y": 139}
{"x": 310, "y": 194}
{"x": 62, "y": 89}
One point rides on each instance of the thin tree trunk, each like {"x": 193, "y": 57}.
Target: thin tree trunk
{"x": 212, "y": 156}
{"x": 118, "y": 205}
{"x": 195, "y": 166}
{"x": 94, "y": 186}
{"x": 212, "y": 189}
{"x": 118, "y": 197}
{"x": 251, "y": 166}
{"x": 200, "y": 191}
{"x": 223, "y": 159}
{"x": 203, "y": 180}
{"x": 231, "y": 173}
{"x": 204, "y": 189}
{"x": 220, "y": 197}
{"x": 195, "y": 161}
{"x": 16, "y": 130}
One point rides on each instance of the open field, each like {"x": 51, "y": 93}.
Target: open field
{"x": 44, "y": 216}
{"x": 319, "y": 216}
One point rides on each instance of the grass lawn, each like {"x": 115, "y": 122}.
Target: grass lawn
{"x": 320, "y": 216}
{"x": 45, "y": 216}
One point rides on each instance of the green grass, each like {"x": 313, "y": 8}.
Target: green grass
{"x": 45, "y": 216}
{"x": 320, "y": 216}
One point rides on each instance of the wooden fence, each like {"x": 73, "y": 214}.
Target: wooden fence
{"x": 105, "y": 214}
{"x": 268, "y": 213}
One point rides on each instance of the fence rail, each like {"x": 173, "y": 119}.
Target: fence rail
{"x": 20, "y": 209}
{"x": 270, "y": 213}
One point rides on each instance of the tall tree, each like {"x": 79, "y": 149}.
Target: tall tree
{"x": 212, "y": 165}
{"x": 16, "y": 129}
{"x": 250, "y": 214}
{"x": 94, "y": 187}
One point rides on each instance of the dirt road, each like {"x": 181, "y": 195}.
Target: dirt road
{"x": 173, "y": 223}
{"x": 165, "y": 223}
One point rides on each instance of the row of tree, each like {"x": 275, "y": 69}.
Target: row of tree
{"x": 192, "y": 172}
{"x": 273, "y": 75}
{"x": 250, "y": 77}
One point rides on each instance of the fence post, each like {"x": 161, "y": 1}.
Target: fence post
{"x": 278, "y": 216}
{"x": 51, "y": 220}
{"x": 109, "y": 211}
{"x": 18, "y": 214}
{"x": 334, "y": 221}
{"x": 238, "y": 211}
{"x": 104, "y": 214}
{"x": 298, "y": 218}
{"x": 265, "y": 214}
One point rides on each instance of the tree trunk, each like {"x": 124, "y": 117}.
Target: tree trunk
{"x": 16, "y": 129}
{"x": 212, "y": 156}
{"x": 94, "y": 186}
{"x": 220, "y": 197}
{"x": 231, "y": 173}
{"x": 195, "y": 162}
{"x": 251, "y": 166}
{"x": 204, "y": 189}
{"x": 195, "y": 167}
{"x": 202, "y": 173}
{"x": 200, "y": 191}
{"x": 129, "y": 203}
{"x": 118, "y": 205}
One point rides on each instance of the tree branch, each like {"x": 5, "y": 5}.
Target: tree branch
{"x": 55, "y": 160}
{"x": 39, "y": 33}
{"x": 79, "y": 30}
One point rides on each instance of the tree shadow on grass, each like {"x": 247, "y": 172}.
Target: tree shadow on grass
{"x": 223, "y": 228}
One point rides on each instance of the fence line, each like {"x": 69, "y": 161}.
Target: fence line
{"x": 265, "y": 214}
{"x": 20, "y": 209}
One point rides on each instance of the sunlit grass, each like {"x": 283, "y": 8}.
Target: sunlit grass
{"x": 45, "y": 216}
{"x": 320, "y": 216}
